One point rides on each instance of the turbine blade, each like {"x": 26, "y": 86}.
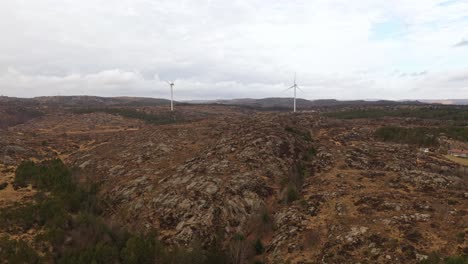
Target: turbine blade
{"x": 288, "y": 88}
{"x": 299, "y": 88}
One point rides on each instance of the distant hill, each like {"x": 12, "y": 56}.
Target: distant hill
{"x": 85, "y": 101}
{"x": 283, "y": 103}
{"x": 15, "y": 111}
{"x": 447, "y": 101}
{"x": 264, "y": 103}
{"x": 81, "y": 100}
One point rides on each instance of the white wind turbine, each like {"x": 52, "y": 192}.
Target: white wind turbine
{"x": 172, "y": 94}
{"x": 295, "y": 86}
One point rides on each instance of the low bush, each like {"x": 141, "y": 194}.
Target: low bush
{"x": 421, "y": 136}
{"x": 291, "y": 194}
{"x": 258, "y": 247}
{"x": 68, "y": 213}
{"x": 435, "y": 258}
{"x": 304, "y": 134}
{"x": 17, "y": 251}
{"x": 50, "y": 175}
{"x": 157, "y": 119}
{"x": 455, "y": 113}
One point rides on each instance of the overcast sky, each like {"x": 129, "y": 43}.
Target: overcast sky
{"x": 363, "y": 49}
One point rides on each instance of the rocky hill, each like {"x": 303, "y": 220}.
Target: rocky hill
{"x": 304, "y": 187}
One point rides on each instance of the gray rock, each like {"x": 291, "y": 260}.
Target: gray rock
{"x": 163, "y": 148}
{"x": 14, "y": 149}
{"x": 421, "y": 257}
{"x": 7, "y": 160}
{"x": 84, "y": 164}
{"x": 116, "y": 170}
{"x": 375, "y": 251}
{"x": 211, "y": 188}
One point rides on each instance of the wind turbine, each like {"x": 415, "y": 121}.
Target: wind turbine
{"x": 172, "y": 94}
{"x": 295, "y": 86}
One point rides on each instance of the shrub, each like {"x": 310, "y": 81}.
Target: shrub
{"x": 421, "y": 136}
{"x": 304, "y": 134}
{"x": 258, "y": 246}
{"x": 311, "y": 152}
{"x": 157, "y": 119}
{"x": 100, "y": 253}
{"x": 13, "y": 251}
{"x": 303, "y": 172}
{"x": 20, "y": 216}
{"x": 435, "y": 258}
{"x": 24, "y": 173}
{"x": 70, "y": 213}
{"x": 418, "y": 136}
{"x": 456, "y": 260}
{"x": 50, "y": 175}
{"x": 455, "y": 113}
{"x": 265, "y": 217}
{"x": 291, "y": 194}
{"x": 139, "y": 250}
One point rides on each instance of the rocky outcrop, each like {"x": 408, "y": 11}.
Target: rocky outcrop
{"x": 188, "y": 187}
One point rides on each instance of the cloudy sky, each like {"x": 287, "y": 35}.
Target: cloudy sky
{"x": 363, "y": 49}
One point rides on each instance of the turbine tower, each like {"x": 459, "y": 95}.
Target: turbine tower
{"x": 295, "y": 86}
{"x": 172, "y": 95}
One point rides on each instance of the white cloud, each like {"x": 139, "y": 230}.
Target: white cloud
{"x": 241, "y": 48}
{"x": 461, "y": 43}
{"x": 123, "y": 83}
